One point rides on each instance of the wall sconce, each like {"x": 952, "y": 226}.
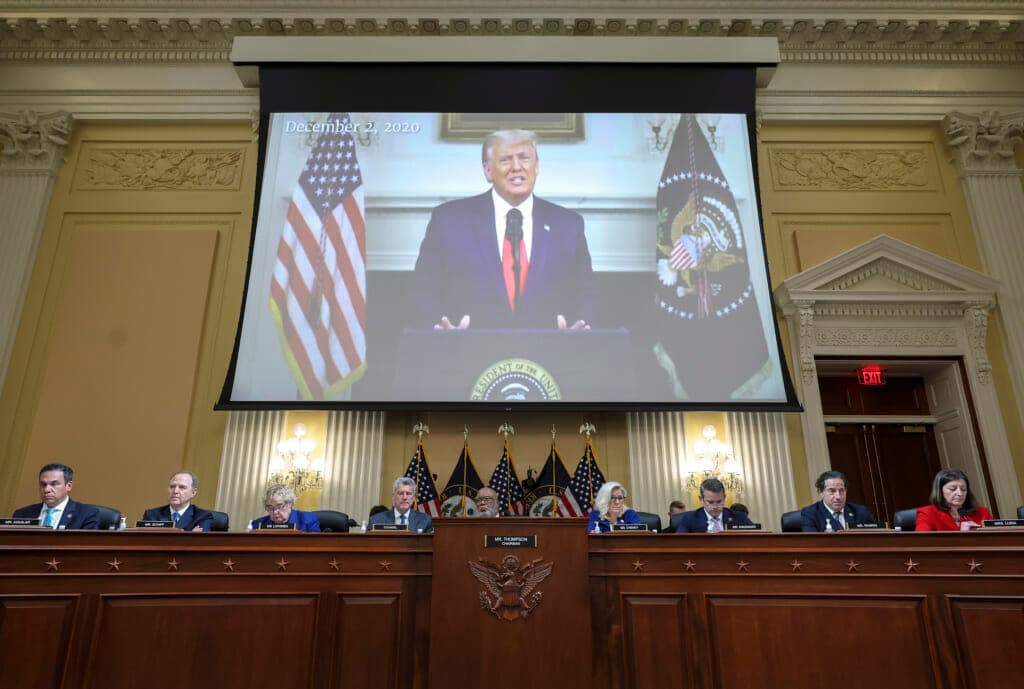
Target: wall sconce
{"x": 659, "y": 133}
{"x": 714, "y": 459}
{"x": 710, "y": 122}
{"x": 292, "y": 465}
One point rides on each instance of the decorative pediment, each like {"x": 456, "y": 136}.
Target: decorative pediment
{"x": 887, "y": 269}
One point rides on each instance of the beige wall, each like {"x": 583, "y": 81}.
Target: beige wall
{"x": 130, "y": 314}
{"x": 133, "y": 303}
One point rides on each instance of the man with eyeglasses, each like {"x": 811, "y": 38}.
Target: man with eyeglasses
{"x": 487, "y": 503}
{"x": 279, "y": 502}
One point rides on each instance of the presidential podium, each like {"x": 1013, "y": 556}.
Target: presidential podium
{"x": 515, "y": 365}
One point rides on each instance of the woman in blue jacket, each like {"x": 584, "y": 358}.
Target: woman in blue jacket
{"x": 610, "y": 508}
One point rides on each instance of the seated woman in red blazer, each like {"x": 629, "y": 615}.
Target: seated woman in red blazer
{"x": 953, "y": 507}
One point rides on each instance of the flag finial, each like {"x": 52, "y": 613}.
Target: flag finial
{"x": 506, "y": 430}
{"x": 420, "y": 429}
{"x": 587, "y": 429}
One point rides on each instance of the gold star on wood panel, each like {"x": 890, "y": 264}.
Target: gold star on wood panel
{"x": 282, "y": 564}
{"x": 975, "y": 565}
{"x": 852, "y": 566}
{"x": 742, "y": 566}
{"x": 690, "y": 566}
{"x": 115, "y": 564}
{"x": 53, "y": 564}
{"x": 796, "y": 565}
{"x": 639, "y": 566}
{"x": 911, "y": 565}
{"x": 335, "y": 565}
{"x": 172, "y": 565}
{"x": 385, "y": 565}
{"x": 229, "y": 565}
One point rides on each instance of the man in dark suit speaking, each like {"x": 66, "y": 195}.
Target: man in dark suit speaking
{"x": 833, "y": 512}
{"x": 505, "y": 258}
{"x": 403, "y": 495}
{"x": 179, "y": 509}
{"x": 57, "y": 510}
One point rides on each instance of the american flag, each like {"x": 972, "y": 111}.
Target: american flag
{"x": 318, "y": 291}
{"x": 427, "y": 499}
{"x": 586, "y": 481}
{"x": 505, "y": 482}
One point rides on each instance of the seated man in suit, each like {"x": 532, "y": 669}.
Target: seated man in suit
{"x": 487, "y": 502}
{"x": 182, "y": 487}
{"x": 505, "y": 258}
{"x": 713, "y": 517}
{"x": 57, "y": 510}
{"x": 833, "y": 510}
{"x": 403, "y": 494}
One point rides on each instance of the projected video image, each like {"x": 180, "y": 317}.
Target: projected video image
{"x": 485, "y": 257}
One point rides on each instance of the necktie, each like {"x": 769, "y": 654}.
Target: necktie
{"x": 514, "y": 236}
{"x": 838, "y": 526}
{"x": 716, "y": 525}
{"x": 402, "y": 522}
{"x": 175, "y": 517}
{"x": 48, "y": 522}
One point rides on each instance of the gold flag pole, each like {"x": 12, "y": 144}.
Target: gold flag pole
{"x": 465, "y": 468}
{"x": 554, "y": 474}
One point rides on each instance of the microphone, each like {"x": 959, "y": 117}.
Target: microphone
{"x": 514, "y": 234}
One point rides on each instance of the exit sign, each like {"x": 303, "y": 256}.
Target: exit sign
{"x": 871, "y": 374}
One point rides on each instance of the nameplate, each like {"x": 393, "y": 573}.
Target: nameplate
{"x": 629, "y": 527}
{"x": 271, "y": 526}
{"x": 861, "y": 527}
{"x": 1003, "y": 522}
{"x": 390, "y": 527}
{"x": 743, "y": 527}
{"x": 510, "y": 541}
{"x": 153, "y": 524}
{"x": 19, "y": 521}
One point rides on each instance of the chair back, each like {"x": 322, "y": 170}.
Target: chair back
{"x": 652, "y": 521}
{"x": 110, "y": 518}
{"x": 791, "y": 522}
{"x": 673, "y": 523}
{"x": 332, "y": 521}
{"x": 905, "y": 520}
{"x": 220, "y": 521}
{"x": 1020, "y": 512}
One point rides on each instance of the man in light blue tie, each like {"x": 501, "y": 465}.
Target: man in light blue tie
{"x": 57, "y": 510}
{"x": 181, "y": 489}
{"x": 403, "y": 495}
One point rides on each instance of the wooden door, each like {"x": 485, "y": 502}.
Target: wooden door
{"x": 889, "y": 466}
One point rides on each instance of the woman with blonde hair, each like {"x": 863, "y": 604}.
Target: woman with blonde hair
{"x": 610, "y": 508}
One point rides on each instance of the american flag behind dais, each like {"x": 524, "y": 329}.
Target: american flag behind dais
{"x": 427, "y": 498}
{"x": 318, "y": 290}
{"x": 505, "y": 482}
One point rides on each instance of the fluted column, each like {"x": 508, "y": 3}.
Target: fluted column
{"x": 249, "y": 443}
{"x": 657, "y": 460}
{"x": 31, "y": 151}
{"x": 982, "y": 147}
{"x": 353, "y": 453}
{"x": 760, "y": 443}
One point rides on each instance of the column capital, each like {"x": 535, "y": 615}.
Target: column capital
{"x": 983, "y": 143}
{"x": 33, "y": 142}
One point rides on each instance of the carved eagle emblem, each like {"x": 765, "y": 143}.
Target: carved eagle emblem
{"x": 509, "y": 589}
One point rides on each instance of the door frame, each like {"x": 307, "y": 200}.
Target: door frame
{"x": 888, "y": 300}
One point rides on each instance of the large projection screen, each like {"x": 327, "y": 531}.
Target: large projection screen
{"x": 604, "y": 249}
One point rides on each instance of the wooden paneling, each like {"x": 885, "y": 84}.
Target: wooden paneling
{"x": 655, "y": 637}
{"x": 469, "y": 644}
{"x": 172, "y": 640}
{"x": 768, "y": 642}
{"x": 85, "y": 610}
{"x": 36, "y": 628}
{"x": 368, "y": 636}
{"x": 988, "y": 634}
